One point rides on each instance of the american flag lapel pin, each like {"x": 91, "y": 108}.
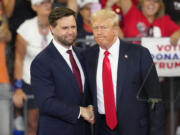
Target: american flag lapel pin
{"x": 126, "y": 56}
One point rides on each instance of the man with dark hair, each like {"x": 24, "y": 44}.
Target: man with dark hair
{"x": 58, "y": 78}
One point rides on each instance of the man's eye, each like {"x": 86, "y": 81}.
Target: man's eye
{"x": 103, "y": 27}
{"x": 64, "y": 28}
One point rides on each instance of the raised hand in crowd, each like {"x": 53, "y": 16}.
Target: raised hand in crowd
{"x": 175, "y": 37}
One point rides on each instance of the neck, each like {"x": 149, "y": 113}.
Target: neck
{"x": 150, "y": 19}
{"x": 43, "y": 25}
{"x": 43, "y": 21}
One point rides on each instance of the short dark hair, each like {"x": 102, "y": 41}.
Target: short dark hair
{"x": 58, "y": 13}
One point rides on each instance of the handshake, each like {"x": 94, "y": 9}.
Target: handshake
{"x": 87, "y": 113}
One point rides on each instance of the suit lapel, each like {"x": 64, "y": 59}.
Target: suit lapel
{"x": 122, "y": 70}
{"x": 64, "y": 67}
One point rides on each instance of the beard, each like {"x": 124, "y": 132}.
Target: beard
{"x": 66, "y": 42}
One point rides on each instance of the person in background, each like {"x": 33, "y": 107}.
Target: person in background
{"x": 84, "y": 24}
{"x": 59, "y": 80}
{"x": 113, "y": 5}
{"x": 72, "y": 4}
{"x": 33, "y": 36}
{"x": 5, "y": 36}
{"x": 21, "y": 11}
{"x": 123, "y": 82}
{"x": 148, "y": 20}
{"x": 6, "y": 6}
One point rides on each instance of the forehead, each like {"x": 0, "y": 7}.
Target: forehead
{"x": 67, "y": 21}
{"x": 102, "y": 22}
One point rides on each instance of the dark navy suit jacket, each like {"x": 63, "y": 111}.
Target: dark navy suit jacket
{"x": 57, "y": 94}
{"x": 137, "y": 81}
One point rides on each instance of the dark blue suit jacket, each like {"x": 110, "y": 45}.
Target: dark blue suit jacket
{"x": 57, "y": 94}
{"x": 137, "y": 81}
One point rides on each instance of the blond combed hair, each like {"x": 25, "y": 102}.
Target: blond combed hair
{"x": 160, "y": 12}
{"x": 105, "y": 14}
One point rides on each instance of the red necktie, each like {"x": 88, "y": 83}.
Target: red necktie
{"x": 109, "y": 100}
{"x": 75, "y": 70}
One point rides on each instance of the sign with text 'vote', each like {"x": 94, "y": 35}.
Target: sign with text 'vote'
{"x": 166, "y": 57}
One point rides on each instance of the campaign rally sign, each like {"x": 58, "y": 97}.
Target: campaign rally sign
{"x": 166, "y": 57}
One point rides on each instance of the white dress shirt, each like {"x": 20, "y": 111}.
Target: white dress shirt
{"x": 63, "y": 51}
{"x": 113, "y": 58}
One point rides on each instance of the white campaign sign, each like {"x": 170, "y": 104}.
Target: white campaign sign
{"x": 165, "y": 56}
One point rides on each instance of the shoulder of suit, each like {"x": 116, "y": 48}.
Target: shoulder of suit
{"x": 77, "y": 49}
{"x": 45, "y": 55}
{"x": 132, "y": 45}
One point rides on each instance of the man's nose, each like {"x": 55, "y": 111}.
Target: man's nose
{"x": 99, "y": 31}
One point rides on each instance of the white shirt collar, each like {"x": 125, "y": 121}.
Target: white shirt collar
{"x": 60, "y": 47}
{"x": 113, "y": 50}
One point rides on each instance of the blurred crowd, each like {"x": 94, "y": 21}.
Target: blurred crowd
{"x": 24, "y": 32}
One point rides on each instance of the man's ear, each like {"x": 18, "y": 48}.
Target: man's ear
{"x": 51, "y": 29}
{"x": 116, "y": 30}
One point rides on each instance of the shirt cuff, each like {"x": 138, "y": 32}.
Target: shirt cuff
{"x": 79, "y": 113}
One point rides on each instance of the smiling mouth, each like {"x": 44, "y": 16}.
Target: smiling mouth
{"x": 150, "y": 7}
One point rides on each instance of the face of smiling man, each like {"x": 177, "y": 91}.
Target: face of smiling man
{"x": 65, "y": 32}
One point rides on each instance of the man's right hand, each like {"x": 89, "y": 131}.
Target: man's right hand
{"x": 18, "y": 97}
{"x": 88, "y": 114}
